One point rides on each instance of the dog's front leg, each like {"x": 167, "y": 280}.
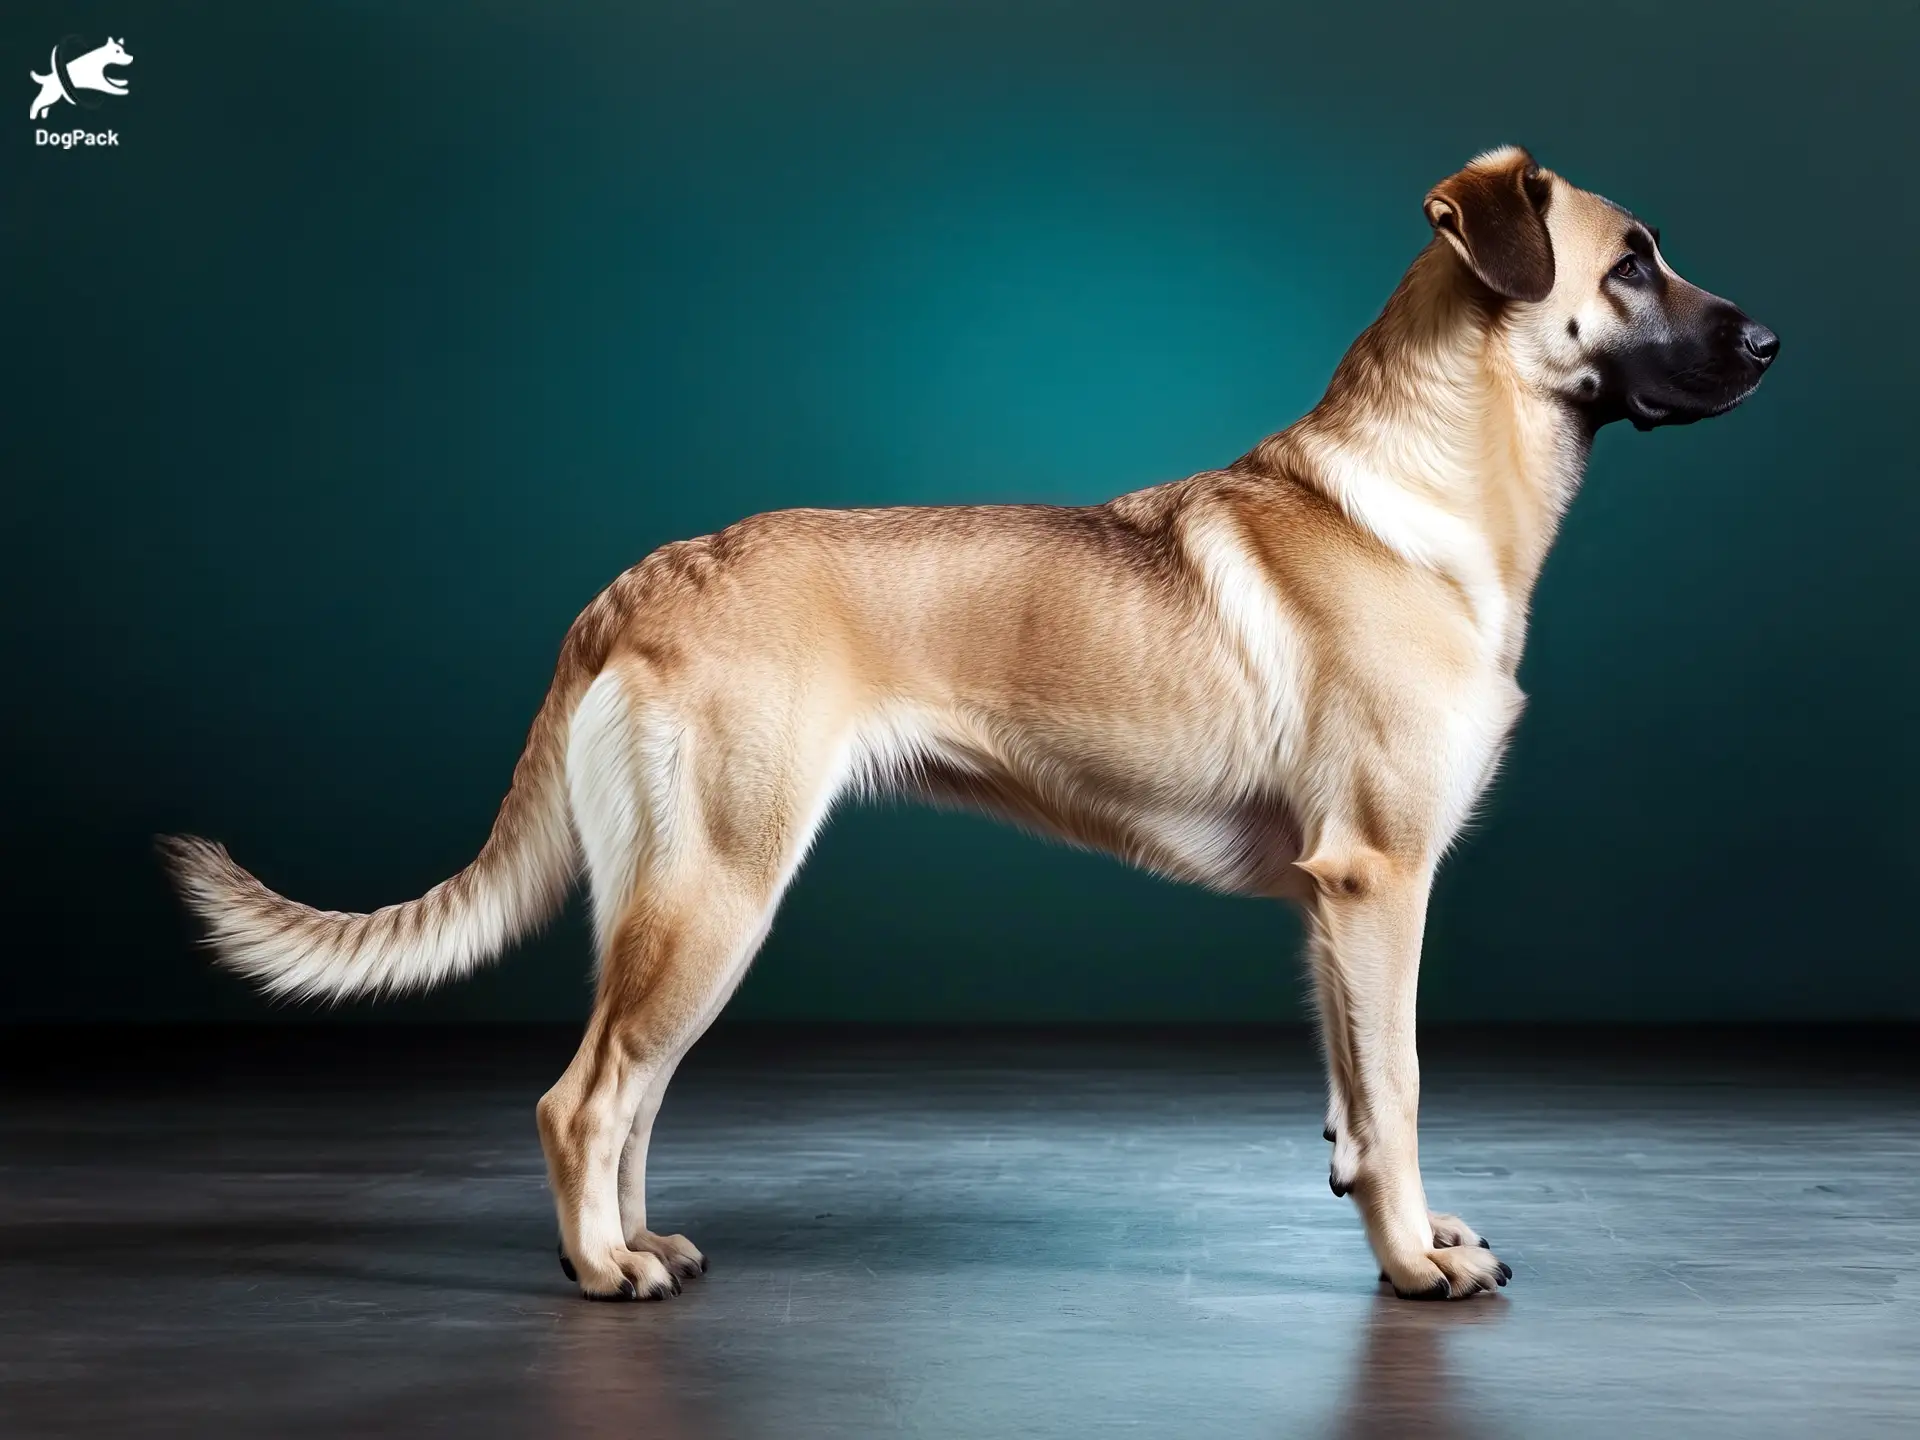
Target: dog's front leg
{"x": 1329, "y": 1001}
{"x": 1369, "y": 914}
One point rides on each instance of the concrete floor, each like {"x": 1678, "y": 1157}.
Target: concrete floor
{"x": 347, "y": 1233}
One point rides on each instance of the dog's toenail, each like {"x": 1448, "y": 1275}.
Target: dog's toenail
{"x": 628, "y": 1288}
{"x": 566, "y": 1266}
{"x": 1506, "y": 1272}
{"x": 1327, "y": 1134}
{"x": 1483, "y": 1243}
{"x": 1334, "y": 1185}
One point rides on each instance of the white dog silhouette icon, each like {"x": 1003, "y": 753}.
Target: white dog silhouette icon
{"x": 83, "y": 72}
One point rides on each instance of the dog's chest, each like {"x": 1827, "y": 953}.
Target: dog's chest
{"x": 1242, "y": 847}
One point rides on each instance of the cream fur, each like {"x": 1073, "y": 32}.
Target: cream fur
{"x": 1290, "y": 678}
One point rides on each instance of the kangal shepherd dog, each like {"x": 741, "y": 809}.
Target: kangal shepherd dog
{"x": 1288, "y": 678}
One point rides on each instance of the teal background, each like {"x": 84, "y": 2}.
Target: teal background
{"x": 389, "y": 333}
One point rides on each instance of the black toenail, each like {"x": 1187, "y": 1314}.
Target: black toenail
{"x": 628, "y": 1288}
{"x": 1326, "y": 1133}
{"x": 1439, "y": 1290}
{"x": 1501, "y": 1282}
{"x": 1483, "y": 1243}
{"x": 1337, "y": 1188}
{"x": 1506, "y": 1272}
{"x": 566, "y": 1266}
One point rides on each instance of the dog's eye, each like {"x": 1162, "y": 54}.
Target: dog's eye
{"x": 1627, "y": 267}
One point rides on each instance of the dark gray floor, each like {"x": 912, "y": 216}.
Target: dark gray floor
{"x": 349, "y": 1234}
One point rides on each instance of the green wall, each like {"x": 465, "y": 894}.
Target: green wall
{"x": 390, "y": 332}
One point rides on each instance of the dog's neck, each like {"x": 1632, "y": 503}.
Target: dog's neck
{"x": 1430, "y": 439}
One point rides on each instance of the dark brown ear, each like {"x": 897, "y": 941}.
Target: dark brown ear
{"x": 1494, "y": 213}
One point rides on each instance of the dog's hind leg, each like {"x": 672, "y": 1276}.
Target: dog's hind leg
{"x": 673, "y": 961}
{"x": 715, "y": 823}
{"x": 50, "y": 95}
{"x": 679, "y": 1254}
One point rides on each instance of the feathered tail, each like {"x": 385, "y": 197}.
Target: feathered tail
{"x": 518, "y": 882}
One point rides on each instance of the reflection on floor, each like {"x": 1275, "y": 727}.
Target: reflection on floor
{"x": 347, "y": 1233}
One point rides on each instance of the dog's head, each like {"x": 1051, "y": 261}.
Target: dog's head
{"x": 113, "y": 53}
{"x": 1594, "y": 315}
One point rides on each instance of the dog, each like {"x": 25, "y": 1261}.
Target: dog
{"x": 1289, "y": 678}
{"x": 87, "y": 72}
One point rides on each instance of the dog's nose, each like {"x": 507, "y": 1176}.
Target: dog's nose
{"x": 1759, "y": 342}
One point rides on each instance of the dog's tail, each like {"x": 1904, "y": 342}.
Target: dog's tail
{"x": 518, "y": 882}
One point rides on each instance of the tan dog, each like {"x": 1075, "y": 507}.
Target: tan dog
{"x": 1290, "y": 678}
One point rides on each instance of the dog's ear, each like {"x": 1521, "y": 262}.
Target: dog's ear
{"x": 1494, "y": 214}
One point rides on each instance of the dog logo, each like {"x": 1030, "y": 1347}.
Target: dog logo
{"x": 73, "y": 73}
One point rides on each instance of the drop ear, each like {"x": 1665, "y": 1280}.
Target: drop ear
{"x": 1494, "y": 215}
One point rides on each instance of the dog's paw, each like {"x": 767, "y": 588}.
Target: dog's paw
{"x": 679, "y": 1254}
{"x": 621, "y": 1275}
{"x": 1456, "y": 1273}
{"x": 1451, "y": 1232}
